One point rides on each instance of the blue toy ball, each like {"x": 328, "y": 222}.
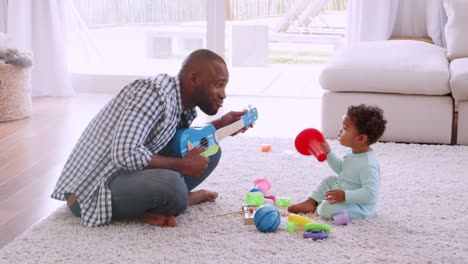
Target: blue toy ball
{"x": 255, "y": 189}
{"x": 267, "y": 218}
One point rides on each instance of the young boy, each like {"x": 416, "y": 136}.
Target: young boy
{"x": 357, "y": 186}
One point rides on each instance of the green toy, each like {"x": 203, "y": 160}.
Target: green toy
{"x": 255, "y": 198}
{"x": 283, "y": 201}
{"x": 291, "y": 226}
{"x": 317, "y": 227}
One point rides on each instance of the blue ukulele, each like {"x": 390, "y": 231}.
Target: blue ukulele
{"x": 186, "y": 139}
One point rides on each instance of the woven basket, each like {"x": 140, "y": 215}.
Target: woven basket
{"x": 15, "y": 92}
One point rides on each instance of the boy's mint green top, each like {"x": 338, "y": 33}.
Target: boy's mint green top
{"x": 358, "y": 176}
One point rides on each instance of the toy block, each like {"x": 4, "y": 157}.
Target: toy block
{"x": 254, "y": 198}
{"x": 249, "y": 212}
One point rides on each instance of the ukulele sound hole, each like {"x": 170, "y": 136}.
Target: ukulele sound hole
{"x": 204, "y": 142}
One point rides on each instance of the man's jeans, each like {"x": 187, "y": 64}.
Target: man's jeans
{"x": 160, "y": 191}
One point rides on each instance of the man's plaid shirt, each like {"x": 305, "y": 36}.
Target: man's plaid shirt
{"x": 136, "y": 123}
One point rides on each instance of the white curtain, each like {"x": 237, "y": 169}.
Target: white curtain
{"x": 372, "y": 20}
{"x": 3, "y": 23}
{"x": 3, "y": 15}
{"x": 436, "y": 20}
{"x": 40, "y": 27}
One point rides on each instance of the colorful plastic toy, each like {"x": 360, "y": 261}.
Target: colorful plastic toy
{"x": 271, "y": 197}
{"x": 299, "y": 219}
{"x": 207, "y": 136}
{"x": 254, "y": 198}
{"x": 308, "y": 142}
{"x": 315, "y": 235}
{"x": 291, "y": 226}
{"x": 341, "y": 219}
{"x": 317, "y": 227}
{"x": 265, "y": 148}
{"x": 283, "y": 201}
{"x": 249, "y": 212}
{"x": 255, "y": 189}
{"x": 263, "y": 184}
{"x": 267, "y": 218}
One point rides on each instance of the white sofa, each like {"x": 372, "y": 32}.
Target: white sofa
{"x": 459, "y": 87}
{"x": 456, "y": 34}
{"x": 422, "y": 88}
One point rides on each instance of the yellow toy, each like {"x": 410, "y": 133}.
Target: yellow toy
{"x": 299, "y": 219}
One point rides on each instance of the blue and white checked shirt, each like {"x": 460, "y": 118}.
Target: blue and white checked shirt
{"x": 136, "y": 123}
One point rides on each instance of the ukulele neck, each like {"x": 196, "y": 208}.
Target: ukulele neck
{"x": 223, "y": 132}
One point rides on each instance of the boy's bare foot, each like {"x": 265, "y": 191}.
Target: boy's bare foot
{"x": 201, "y": 196}
{"x": 159, "y": 220}
{"x": 307, "y": 206}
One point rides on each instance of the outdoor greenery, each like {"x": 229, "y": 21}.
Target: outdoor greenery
{"x": 301, "y": 53}
{"x": 296, "y": 61}
{"x": 298, "y": 57}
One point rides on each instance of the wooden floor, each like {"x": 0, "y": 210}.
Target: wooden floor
{"x": 32, "y": 154}
{"x": 33, "y": 151}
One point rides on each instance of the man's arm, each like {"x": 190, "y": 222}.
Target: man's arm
{"x": 135, "y": 122}
{"x": 193, "y": 164}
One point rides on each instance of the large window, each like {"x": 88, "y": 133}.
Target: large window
{"x": 143, "y": 37}
{"x": 135, "y": 37}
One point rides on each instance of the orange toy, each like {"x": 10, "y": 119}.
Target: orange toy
{"x": 266, "y": 148}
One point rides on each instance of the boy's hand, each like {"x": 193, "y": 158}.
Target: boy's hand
{"x": 326, "y": 147}
{"x": 335, "y": 196}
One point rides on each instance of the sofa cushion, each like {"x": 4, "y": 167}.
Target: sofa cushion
{"x": 459, "y": 79}
{"x": 395, "y": 66}
{"x": 456, "y": 30}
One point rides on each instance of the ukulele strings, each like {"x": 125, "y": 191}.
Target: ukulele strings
{"x": 229, "y": 130}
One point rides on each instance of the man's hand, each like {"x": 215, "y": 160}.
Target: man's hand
{"x": 230, "y": 118}
{"x": 335, "y": 196}
{"x": 194, "y": 163}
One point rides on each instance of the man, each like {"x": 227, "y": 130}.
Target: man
{"x": 121, "y": 166}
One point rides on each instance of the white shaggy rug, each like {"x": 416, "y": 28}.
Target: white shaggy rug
{"x": 422, "y": 216}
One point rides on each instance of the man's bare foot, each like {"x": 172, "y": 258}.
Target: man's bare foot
{"x": 201, "y": 196}
{"x": 159, "y": 220}
{"x": 307, "y": 206}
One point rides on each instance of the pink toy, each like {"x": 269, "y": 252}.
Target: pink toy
{"x": 271, "y": 197}
{"x": 263, "y": 184}
{"x": 308, "y": 142}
